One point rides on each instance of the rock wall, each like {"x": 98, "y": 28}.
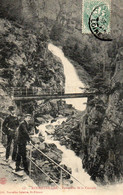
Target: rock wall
{"x": 63, "y": 21}
{"x": 19, "y": 10}
{"x": 102, "y": 134}
{"x": 26, "y": 62}
{"x": 68, "y": 133}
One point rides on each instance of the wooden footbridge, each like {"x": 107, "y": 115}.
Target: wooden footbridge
{"x": 20, "y": 94}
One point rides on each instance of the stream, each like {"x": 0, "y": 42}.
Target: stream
{"x": 69, "y": 157}
{"x": 72, "y": 85}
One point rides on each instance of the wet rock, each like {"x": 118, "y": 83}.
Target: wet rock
{"x": 39, "y": 162}
{"x": 65, "y": 175}
{"x": 50, "y": 129}
{"x": 42, "y": 146}
{"x": 36, "y": 140}
{"x": 40, "y": 120}
{"x": 54, "y": 120}
{"x": 41, "y": 138}
{"x": 68, "y": 133}
{"x": 67, "y": 182}
{"x": 54, "y": 156}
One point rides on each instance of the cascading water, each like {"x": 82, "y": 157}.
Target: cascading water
{"x": 72, "y": 81}
{"x": 72, "y": 85}
{"x": 68, "y": 158}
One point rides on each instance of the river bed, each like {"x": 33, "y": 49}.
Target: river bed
{"x": 72, "y": 85}
{"x": 69, "y": 157}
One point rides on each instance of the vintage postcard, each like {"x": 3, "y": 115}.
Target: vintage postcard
{"x": 61, "y": 97}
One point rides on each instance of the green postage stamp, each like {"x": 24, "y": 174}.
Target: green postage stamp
{"x": 96, "y": 16}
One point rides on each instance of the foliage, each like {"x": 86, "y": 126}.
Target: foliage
{"x": 56, "y": 32}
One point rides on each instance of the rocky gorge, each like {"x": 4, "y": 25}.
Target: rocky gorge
{"x": 94, "y": 134}
{"x": 27, "y": 65}
{"x": 23, "y": 55}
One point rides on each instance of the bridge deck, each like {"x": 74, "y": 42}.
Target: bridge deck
{"x": 53, "y": 96}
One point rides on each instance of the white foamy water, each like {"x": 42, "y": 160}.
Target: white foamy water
{"x": 69, "y": 158}
{"x": 72, "y": 161}
{"x": 72, "y": 81}
{"x": 72, "y": 85}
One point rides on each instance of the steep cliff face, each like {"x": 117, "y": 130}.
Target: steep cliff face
{"x": 20, "y": 10}
{"x": 63, "y": 21}
{"x": 26, "y": 62}
{"x": 102, "y": 136}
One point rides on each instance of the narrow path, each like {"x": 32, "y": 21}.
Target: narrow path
{"x": 8, "y": 180}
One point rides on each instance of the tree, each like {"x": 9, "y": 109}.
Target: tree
{"x": 56, "y": 32}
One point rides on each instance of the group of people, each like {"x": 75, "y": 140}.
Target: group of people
{"x": 18, "y": 134}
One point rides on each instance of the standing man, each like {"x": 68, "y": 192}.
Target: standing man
{"x": 10, "y": 125}
{"x": 23, "y": 138}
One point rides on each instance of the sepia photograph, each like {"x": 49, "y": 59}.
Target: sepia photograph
{"x": 61, "y": 97}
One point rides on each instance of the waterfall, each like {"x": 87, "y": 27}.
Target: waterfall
{"x": 69, "y": 158}
{"x": 72, "y": 81}
{"x": 72, "y": 85}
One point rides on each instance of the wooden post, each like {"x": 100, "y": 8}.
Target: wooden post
{"x": 13, "y": 92}
{"x": 26, "y": 91}
{"x": 0, "y": 130}
{"x": 20, "y": 107}
{"x": 49, "y": 91}
{"x": 20, "y": 91}
{"x": 33, "y": 90}
{"x": 61, "y": 181}
{"x": 30, "y": 163}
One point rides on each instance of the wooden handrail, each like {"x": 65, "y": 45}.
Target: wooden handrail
{"x": 44, "y": 172}
{"x": 57, "y": 164}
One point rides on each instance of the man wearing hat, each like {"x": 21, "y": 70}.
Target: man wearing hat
{"x": 23, "y": 138}
{"x": 10, "y": 125}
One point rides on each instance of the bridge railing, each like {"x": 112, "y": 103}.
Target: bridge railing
{"x": 31, "y": 91}
{"x": 59, "y": 166}
{"x": 29, "y": 156}
{"x": 25, "y": 91}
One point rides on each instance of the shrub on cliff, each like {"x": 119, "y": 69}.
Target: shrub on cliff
{"x": 56, "y": 32}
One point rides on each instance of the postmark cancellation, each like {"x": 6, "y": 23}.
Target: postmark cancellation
{"x": 96, "y": 16}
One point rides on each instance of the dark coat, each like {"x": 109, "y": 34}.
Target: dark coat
{"x": 23, "y": 133}
{"x": 10, "y": 125}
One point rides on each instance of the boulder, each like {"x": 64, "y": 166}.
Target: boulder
{"x": 40, "y": 120}
{"x": 50, "y": 130}
{"x": 47, "y": 117}
{"x": 36, "y": 140}
{"x": 39, "y": 163}
{"x": 41, "y": 138}
{"x": 64, "y": 174}
{"x": 54, "y": 156}
{"x": 41, "y": 146}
